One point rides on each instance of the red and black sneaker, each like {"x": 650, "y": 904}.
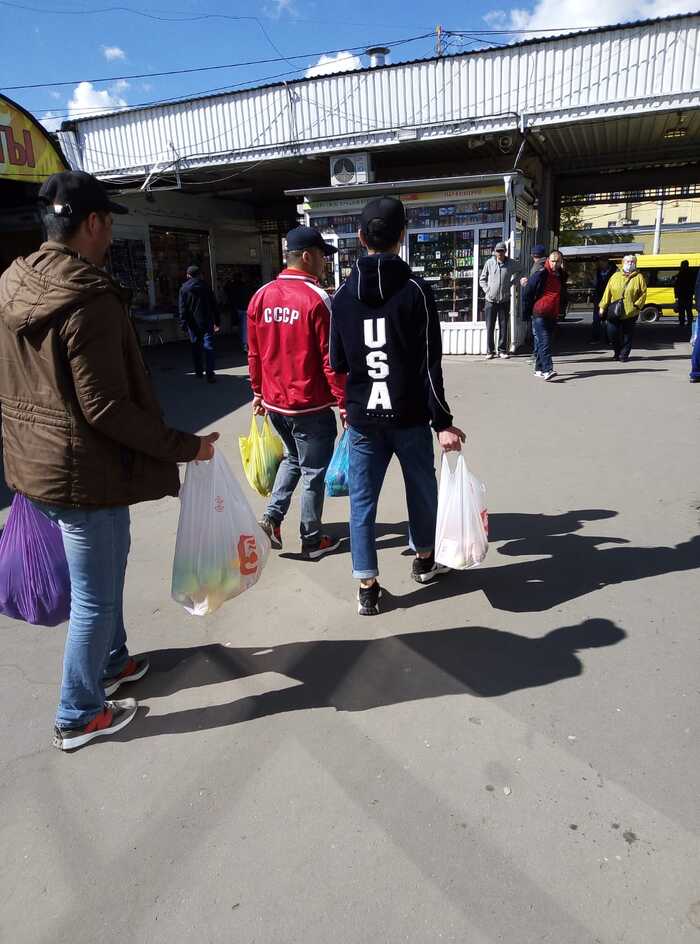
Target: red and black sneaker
{"x": 326, "y": 545}
{"x": 114, "y": 716}
{"x": 134, "y": 669}
{"x": 273, "y": 530}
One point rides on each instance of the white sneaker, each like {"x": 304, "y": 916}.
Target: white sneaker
{"x": 539, "y": 373}
{"x": 490, "y": 357}
{"x": 503, "y": 355}
{"x": 549, "y": 374}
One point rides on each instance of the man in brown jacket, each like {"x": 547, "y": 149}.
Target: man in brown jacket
{"x": 83, "y": 437}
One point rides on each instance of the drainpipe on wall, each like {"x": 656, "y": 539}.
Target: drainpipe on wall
{"x": 657, "y": 229}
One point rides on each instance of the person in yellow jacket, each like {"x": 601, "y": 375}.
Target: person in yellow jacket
{"x": 630, "y": 286}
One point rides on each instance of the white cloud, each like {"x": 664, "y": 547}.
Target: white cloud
{"x": 50, "y": 121}
{"x": 282, "y": 6}
{"x": 327, "y": 65}
{"x": 55, "y": 95}
{"x": 568, "y": 15}
{"x": 147, "y": 87}
{"x": 87, "y": 100}
{"x": 121, "y": 85}
{"x": 113, "y": 52}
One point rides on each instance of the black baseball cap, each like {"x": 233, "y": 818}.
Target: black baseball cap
{"x": 76, "y": 194}
{"x": 308, "y": 237}
{"x": 389, "y": 211}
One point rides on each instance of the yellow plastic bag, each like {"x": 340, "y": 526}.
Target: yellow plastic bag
{"x": 261, "y": 453}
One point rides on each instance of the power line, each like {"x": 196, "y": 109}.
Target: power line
{"x": 228, "y": 65}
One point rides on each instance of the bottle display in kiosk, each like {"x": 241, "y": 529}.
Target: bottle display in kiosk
{"x": 446, "y": 261}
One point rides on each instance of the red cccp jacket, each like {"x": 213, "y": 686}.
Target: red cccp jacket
{"x": 288, "y": 332}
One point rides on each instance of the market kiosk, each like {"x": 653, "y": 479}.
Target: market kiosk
{"x": 453, "y": 226}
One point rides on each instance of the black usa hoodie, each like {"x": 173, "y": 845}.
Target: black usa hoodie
{"x": 385, "y": 335}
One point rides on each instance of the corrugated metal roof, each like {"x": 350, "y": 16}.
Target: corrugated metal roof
{"x": 633, "y": 69}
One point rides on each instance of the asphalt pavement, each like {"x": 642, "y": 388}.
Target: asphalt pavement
{"x": 508, "y": 755}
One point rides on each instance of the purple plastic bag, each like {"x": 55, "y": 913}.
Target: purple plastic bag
{"x": 34, "y": 581}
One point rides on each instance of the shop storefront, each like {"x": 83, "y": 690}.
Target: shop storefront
{"x": 28, "y": 156}
{"x": 449, "y": 236}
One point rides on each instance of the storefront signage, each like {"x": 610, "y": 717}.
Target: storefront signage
{"x": 437, "y": 196}
{"x": 27, "y": 153}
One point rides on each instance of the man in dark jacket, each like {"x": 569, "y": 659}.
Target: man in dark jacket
{"x": 385, "y": 335}
{"x": 199, "y": 317}
{"x": 83, "y": 437}
{"x": 683, "y": 286}
{"x": 605, "y": 269}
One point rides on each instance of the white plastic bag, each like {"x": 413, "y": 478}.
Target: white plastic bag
{"x": 220, "y": 549}
{"x": 461, "y": 538}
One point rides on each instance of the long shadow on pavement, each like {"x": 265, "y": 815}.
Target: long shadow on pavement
{"x": 357, "y": 675}
{"x": 587, "y": 374}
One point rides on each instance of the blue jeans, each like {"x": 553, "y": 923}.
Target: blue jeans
{"x": 695, "y": 356}
{"x": 543, "y": 329}
{"x": 203, "y": 352}
{"x": 371, "y": 449}
{"x": 598, "y": 328}
{"x": 308, "y": 440}
{"x": 97, "y": 543}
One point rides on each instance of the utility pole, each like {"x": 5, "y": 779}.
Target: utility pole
{"x": 657, "y": 228}
{"x": 439, "y": 41}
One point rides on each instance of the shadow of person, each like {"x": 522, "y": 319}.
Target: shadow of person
{"x": 569, "y": 566}
{"x": 506, "y": 526}
{"x": 588, "y": 374}
{"x": 358, "y": 675}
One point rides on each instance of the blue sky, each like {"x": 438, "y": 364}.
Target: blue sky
{"x": 81, "y": 40}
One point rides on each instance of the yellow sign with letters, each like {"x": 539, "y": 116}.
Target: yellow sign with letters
{"x": 27, "y": 153}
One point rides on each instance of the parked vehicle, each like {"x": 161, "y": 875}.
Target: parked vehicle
{"x": 660, "y": 273}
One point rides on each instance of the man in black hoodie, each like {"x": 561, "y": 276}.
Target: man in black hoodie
{"x": 385, "y": 335}
{"x": 199, "y": 317}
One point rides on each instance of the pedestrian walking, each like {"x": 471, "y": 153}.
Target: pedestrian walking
{"x": 539, "y": 257}
{"x": 605, "y": 269}
{"x": 622, "y": 300}
{"x": 239, "y": 292}
{"x": 683, "y": 286}
{"x": 386, "y": 337}
{"x": 497, "y": 278}
{"x": 83, "y": 437}
{"x": 288, "y": 334}
{"x": 695, "y": 357}
{"x": 199, "y": 317}
{"x": 546, "y": 291}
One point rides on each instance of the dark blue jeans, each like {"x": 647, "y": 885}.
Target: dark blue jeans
{"x": 543, "y": 329}
{"x": 203, "y": 352}
{"x": 308, "y": 448}
{"x": 621, "y": 333}
{"x": 371, "y": 449}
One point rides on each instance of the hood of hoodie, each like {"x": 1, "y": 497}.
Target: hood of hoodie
{"x": 375, "y": 279}
{"x": 33, "y": 291}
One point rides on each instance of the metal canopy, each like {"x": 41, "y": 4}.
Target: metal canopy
{"x": 389, "y": 186}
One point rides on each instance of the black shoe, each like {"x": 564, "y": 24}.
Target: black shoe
{"x": 624, "y": 358}
{"x": 326, "y": 545}
{"x": 273, "y": 530}
{"x": 616, "y": 357}
{"x": 368, "y": 599}
{"x": 425, "y": 569}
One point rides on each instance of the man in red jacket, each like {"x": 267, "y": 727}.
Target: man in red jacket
{"x": 288, "y": 332}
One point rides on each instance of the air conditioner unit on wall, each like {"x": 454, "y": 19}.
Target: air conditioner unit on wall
{"x": 351, "y": 169}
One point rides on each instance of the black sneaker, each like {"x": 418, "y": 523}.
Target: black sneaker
{"x": 273, "y": 531}
{"x": 368, "y": 599}
{"x": 134, "y": 670}
{"x": 114, "y": 716}
{"x": 425, "y": 569}
{"x": 326, "y": 545}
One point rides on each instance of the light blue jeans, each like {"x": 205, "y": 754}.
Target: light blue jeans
{"x": 97, "y": 543}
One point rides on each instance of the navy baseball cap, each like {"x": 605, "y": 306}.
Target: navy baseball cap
{"x": 539, "y": 250}
{"x": 389, "y": 212}
{"x": 76, "y": 194}
{"x": 308, "y": 237}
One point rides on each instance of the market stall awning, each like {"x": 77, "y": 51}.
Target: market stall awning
{"x": 27, "y": 153}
